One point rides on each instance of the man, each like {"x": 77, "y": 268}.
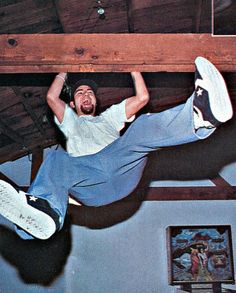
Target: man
{"x": 100, "y": 167}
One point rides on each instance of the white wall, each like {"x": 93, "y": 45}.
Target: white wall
{"x": 129, "y": 256}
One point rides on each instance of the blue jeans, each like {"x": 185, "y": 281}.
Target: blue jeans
{"x": 114, "y": 172}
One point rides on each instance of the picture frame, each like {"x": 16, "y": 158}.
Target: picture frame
{"x": 200, "y": 254}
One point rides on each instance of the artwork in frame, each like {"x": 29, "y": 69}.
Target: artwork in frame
{"x": 200, "y": 254}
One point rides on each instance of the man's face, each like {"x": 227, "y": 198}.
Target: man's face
{"x": 84, "y": 100}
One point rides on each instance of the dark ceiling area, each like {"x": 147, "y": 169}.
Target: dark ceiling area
{"x": 26, "y": 123}
{"x": 224, "y": 19}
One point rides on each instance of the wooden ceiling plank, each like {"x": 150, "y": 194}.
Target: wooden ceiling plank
{"x": 113, "y": 52}
{"x": 197, "y": 14}
{"x": 170, "y": 16}
{"x": 58, "y": 13}
{"x": 28, "y": 16}
{"x": 129, "y": 9}
{"x": 29, "y": 109}
{"x": 6, "y": 130}
{"x": 84, "y": 18}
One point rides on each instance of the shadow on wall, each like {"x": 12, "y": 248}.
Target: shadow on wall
{"x": 37, "y": 261}
{"x": 105, "y": 216}
{"x": 195, "y": 161}
{"x": 42, "y": 262}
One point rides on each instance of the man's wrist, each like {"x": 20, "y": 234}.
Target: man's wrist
{"x": 62, "y": 76}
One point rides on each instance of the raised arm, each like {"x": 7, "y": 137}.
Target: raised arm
{"x": 53, "y": 100}
{"x": 141, "y": 98}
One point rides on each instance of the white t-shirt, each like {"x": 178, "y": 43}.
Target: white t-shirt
{"x": 87, "y": 135}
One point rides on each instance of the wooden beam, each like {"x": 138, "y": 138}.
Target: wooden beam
{"x": 181, "y": 193}
{"x": 166, "y": 193}
{"x": 188, "y": 193}
{"x": 113, "y": 52}
{"x": 37, "y": 159}
{"x": 220, "y": 181}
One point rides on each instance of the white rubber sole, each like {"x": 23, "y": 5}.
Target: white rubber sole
{"x": 213, "y": 82}
{"x": 14, "y": 207}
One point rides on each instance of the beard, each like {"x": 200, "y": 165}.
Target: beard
{"x": 87, "y": 110}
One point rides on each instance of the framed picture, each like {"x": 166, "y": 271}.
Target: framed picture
{"x": 200, "y": 254}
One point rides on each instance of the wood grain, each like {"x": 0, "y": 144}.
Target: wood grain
{"x": 113, "y": 52}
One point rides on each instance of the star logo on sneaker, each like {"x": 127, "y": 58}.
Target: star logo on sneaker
{"x": 199, "y": 92}
{"x": 33, "y": 198}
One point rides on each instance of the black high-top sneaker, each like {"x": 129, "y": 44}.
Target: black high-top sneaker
{"x": 33, "y": 215}
{"x": 211, "y": 99}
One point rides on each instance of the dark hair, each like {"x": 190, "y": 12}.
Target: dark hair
{"x": 80, "y": 82}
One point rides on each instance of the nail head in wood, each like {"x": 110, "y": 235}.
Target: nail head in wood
{"x": 79, "y": 51}
{"x": 12, "y": 42}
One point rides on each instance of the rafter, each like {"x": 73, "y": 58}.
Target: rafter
{"x": 6, "y": 130}
{"x": 130, "y": 21}
{"x": 220, "y": 181}
{"x": 16, "y": 153}
{"x": 37, "y": 159}
{"x": 57, "y": 11}
{"x": 24, "y": 99}
{"x": 113, "y": 52}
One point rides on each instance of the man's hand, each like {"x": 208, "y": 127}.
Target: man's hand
{"x": 135, "y": 103}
